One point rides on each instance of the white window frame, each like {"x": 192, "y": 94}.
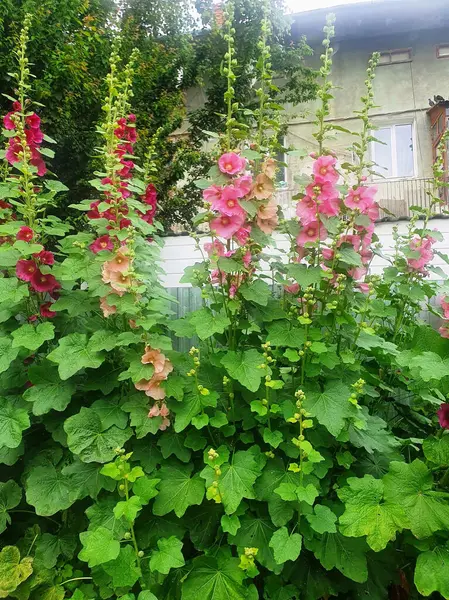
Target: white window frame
{"x": 394, "y": 165}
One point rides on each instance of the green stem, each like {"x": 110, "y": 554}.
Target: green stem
{"x": 133, "y": 535}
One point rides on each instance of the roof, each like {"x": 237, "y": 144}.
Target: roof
{"x": 372, "y": 19}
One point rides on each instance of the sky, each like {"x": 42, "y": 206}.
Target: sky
{"x": 301, "y": 5}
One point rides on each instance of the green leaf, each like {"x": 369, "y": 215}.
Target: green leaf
{"x": 86, "y": 479}
{"x": 437, "y": 450}
{"x": 98, "y": 547}
{"x": 178, "y": 490}
{"x": 244, "y": 367}
{"x": 257, "y": 291}
{"x": 7, "y": 352}
{"x": 431, "y": 573}
{"x": 374, "y": 437}
{"x": 31, "y": 337}
{"x": 48, "y": 391}
{"x": 217, "y": 578}
{"x": 273, "y": 438}
{"x": 123, "y": 569}
{"x": 207, "y": 323}
{"x": 10, "y": 497}
{"x": 73, "y": 354}
{"x": 410, "y": 486}
{"x": 192, "y": 404}
{"x": 256, "y": 532}
{"x": 137, "y": 407}
{"x": 146, "y": 489}
{"x": 350, "y": 257}
{"x": 307, "y": 493}
{"x": 12, "y": 290}
{"x": 53, "y": 592}
{"x": 13, "y": 420}
{"x": 129, "y": 509}
{"x": 323, "y": 521}
{"x": 304, "y": 276}
{"x": 167, "y": 556}
{"x": 13, "y": 571}
{"x": 48, "y": 490}
{"x": 229, "y": 265}
{"x": 110, "y": 412}
{"x": 285, "y": 546}
{"x": 331, "y": 407}
{"x": 368, "y": 341}
{"x": 347, "y": 555}
{"x": 173, "y": 444}
{"x": 87, "y": 438}
{"x": 367, "y": 514}
{"x": 230, "y": 524}
{"x": 283, "y": 333}
{"x": 49, "y": 547}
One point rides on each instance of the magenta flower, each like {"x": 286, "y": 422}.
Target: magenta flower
{"x": 241, "y": 236}
{"x": 361, "y": 199}
{"x": 12, "y": 150}
{"x": 25, "y": 234}
{"x": 8, "y": 123}
{"x": 312, "y": 232}
{"x": 102, "y": 243}
{"x": 443, "y": 415}
{"x": 231, "y": 163}
{"x": 306, "y": 210}
{"x": 25, "y": 269}
{"x": 324, "y": 169}
{"x": 43, "y": 282}
{"x": 33, "y": 121}
{"x": 150, "y": 195}
{"x": 46, "y": 312}
{"x": 225, "y": 226}
{"x": 45, "y": 257}
{"x": 228, "y": 203}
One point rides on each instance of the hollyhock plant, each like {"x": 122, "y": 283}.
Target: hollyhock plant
{"x": 231, "y": 163}
{"x": 45, "y": 257}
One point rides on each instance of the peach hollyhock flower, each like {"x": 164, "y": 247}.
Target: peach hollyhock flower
{"x": 152, "y": 388}
{"x": 121, "y": 262}
{"x": 154, "y": 411}
{"x": 119, "y": 282}
{"x": 267, "y": 218}
{"x": 361, "y": 199}
{"x": 269, "y": 167}
{"x": 165, "y": 423}
{"x": 154, "y": 357}
{"x": 106, "y": 308}
{"x": 225, "y": 226}
{"x": 228, "y": 203}
{"x": 312, "y": 232}
{"x": 263, "y": 187}
{"x": 324, "y": 169}
{"x": 231, "y": 163}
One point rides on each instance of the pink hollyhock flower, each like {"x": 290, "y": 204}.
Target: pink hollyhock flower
{"x": 107, "y": 181}
{"x": 312, "y": 232}
{"x": 263, "y": 187}
{"x": 25, "y": 269}
{"x": 232, "y": 291}
{"x": 324, "y": 169}
{"x": 247, "y": 257}
{"x": 165, "y": 423}
{"x": 373, "y": 212}
{"x": 43, "y": 282}
{"x": 269, "y": 167}
{"x": 33, "y": 121}
{"x": 242, "y": 235}
{"x": 46, "y": 312}
{"x": 212, "y": 194}
{"x": 119, "y": 131}
{"x": 424, "y": 247}
{"x": 444, "y": 331}
{"x": 102, "y": 243}
{"x": 131, "y": 134}
{"x": 225, "y": 226}
{"x": 361, "y": 199}
{"x": 329, "y": 207}
{"x": 363, "y": 287}
{"x": 366, "y": 256}
{"x": 150, "y": 194}
{"x": 106, "y": 308}
{"x": 154, "y": 411}
{"x": 228, "y": 203}
{"x": 306, "y": 210}
{"x": 8, "y": 123}
{"x": 25, "y": 233}
{"x": 327, "y": 253}
{"x": 243, "y": 185}
{"x": 293, "y": 288}
{"x": 354, "y": 240}
{"x": 45, "y": 257}
{"x": 214, "y": 249}
{"x": 267, "y": 218}
{"x": 38, "y": 162}
{"x": 231, "y": 163}
{"x": 34, "y": 137}
{"x": 445, "y": 306}
{"x": 321, "y": 191}
{"x": 443, "y": 415}
{"x": 358, "y": 272}
{"x": 217, "y": 276}
{"x": 12, "y": 151}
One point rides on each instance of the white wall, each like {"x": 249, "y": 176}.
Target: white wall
{"x": 179, "y": 252}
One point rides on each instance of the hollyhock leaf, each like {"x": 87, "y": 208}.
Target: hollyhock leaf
{"x": 54, "y": 185}
{"x": 229, "y": 265}
{"x": 10, "y": 497}
{"x": 103, "y": 339}
{"x": 307, "y": 493}
{"x": 432, "y": 568}
{"x": 350, "y": 257}
{"x": 48, "y": 391}
{"x": 87, "y": 438}
{"x": 123, "y": 569}
{"x": 273, "y": 438}
{"x": 86, "y": 479}
{"x": 129, "y": 509}
{"x": 192, "y": 404}
{"x": 7, "y": 353}
{"x": 374, "y": 437}
{"x": 167, "y": 556}
{"x": 368, "y": 341}
{"x": 256, "y": 532}
{"x": 331, "y": 407}
{"x": 258, "y": 407}
{"x": 174, "y": 387}
{"x": 137, "y": 406}
{"x": 333, "y": 550}
{"x": 48, "y": 490}
{"x": 27, "y": 249}
{"x": 200, "y": 421}
{"x": 230, "y": 524}
{"x": 54, "y": 592}
{"x": 8, "y": 257}
{"x": 195, "y": 440}
{"x": 110, "y": 412}
{"x": 137, "y": 371}
{"x": 411, "y": 486}
{"x": 219, "y": 420}
{"x": 244, "y": 367}
{"x": 146, "y": 595}
{"x": 323, "y": 521}
{"x": 101, "y": 514}
{"x": 178, "y": 490}
{"x": 218, "y": 578}
{"x": 173, "y": 443}
{"x": 207, "y": 323}
{"x": 9, "y": 456}
{"x": 73, "y": 354}
{"x": 30, "y": 337}
{"x": 13, "y": 571}
{"x": 13, "y": 420}
{"x": 12, "y": 291}
{"x": 249, "y": 207}
{"x": 49, "y": 547}
{"x": 429, "y": 366}
{"x": 304, "y": 276}
{"x": 285, "y": 546}
{"x": 257, "y": 291}
{"x": 367, "y": 514}
{"x": 99, "y": 547}
{"x": 76, "y": 303}
{"x": 283, "y": 333}
{"x": 437, "y": 450}
{"x": 146, "y": 488}
{"x": 280, "y": 512}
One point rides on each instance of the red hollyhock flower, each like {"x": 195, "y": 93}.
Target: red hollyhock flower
{"x": 8, "y": 123}
{"x": 150, "y": 194}
{"x": 37, "y": 161}
{"x": 93, "y": 213}
{"x": 46, "y": 312}
{"x": 34, "y": 137}
{"x": 4, "y": 204}
{"x": 33, "y": 121}
{"x": 102, "y": 243}
{"x": 124, "y": 223}
{"x": 25, "y": 269}
{"x": 443, "y": 415}
{"x": 16, "y": 105}
{"x": 12, "y": 151}
{"x": 43, "y": 282}
{"x": 45, "y": 257}
{"x": 25, "y": 233}
{"x": 132, "y": 118}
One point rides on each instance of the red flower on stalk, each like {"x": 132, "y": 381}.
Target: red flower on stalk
{"x": 33, "y": 121}
{"x": 45, "y": 257}
{"x": 25, "y": 269}
{"x": 43, "y": 282}
{"x": 25, "y": 233}
{"x": 443, "y": 415}
{"x": 45, "y": 310}
{"x": 102, "y": 243}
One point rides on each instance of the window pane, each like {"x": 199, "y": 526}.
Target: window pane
{"x": 404, "y": 151}
{"x": 382, "y": 152}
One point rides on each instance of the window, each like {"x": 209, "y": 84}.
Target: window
{"x": 443, "y": 51}
{"x": 281, "y": 157}
{"x": 394, "y": 153}
{"x": 391, "y": 57}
